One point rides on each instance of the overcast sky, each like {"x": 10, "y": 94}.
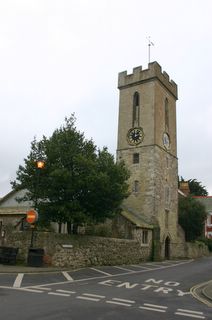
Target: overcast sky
{"x": 63, "y": 56}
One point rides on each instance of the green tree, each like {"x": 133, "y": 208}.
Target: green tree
{"x": 78, "y": 183}
{"x": 192, "y": 215}
{"x": 107, "y": 187}
{"x": 195, "y": 187}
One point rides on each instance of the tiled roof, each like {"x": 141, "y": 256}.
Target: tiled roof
{"x": 13, "y": 211}
{"x": 135, "y": 217}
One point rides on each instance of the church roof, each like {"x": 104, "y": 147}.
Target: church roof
{"x": 135, "y": 217}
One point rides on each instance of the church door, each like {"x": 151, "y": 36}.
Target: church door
{"x": 167, "y": 248}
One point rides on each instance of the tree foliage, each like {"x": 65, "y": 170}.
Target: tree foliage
{"x": 196, "y": 188}
{"x": 192, "y": 215}
{"x": 78, "y": 183}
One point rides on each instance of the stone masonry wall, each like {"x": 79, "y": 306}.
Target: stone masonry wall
{"x": 64, "y": 250}
{"x": 79, "y": 251}
{"x": 196, "y": 250}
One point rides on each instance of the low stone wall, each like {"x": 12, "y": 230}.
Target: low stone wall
{"x": 196, "y": 250}
{"x": 190, "y": 250}
{"x": 79, "y": 251}
{"x": 65, "y": 250}
{"x": 100, "y": 251}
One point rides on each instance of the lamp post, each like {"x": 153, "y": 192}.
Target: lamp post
{"x": 35, "y": 256}
{"x": 40, "y": 164}
{"x": 32, "y": 217}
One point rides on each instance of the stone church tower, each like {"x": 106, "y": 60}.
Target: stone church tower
{"x": 147, "y": 144}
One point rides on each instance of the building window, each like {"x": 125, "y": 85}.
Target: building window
{"x": 166, "y": 115}
{"x": 136, "y": 112}
{"x": 145, "y": 236}
{"x": 136, "y": 186}
{"x": 136, "y": 158}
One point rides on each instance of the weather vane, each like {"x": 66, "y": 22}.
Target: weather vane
{"x": 150, "y": 43}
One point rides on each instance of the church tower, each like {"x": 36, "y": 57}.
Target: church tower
{"x": 147, "y": 144}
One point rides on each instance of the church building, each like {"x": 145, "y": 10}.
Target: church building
{"x": 147, "y": 144}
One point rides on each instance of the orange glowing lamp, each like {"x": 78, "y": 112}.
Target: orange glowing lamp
{"x": 40, "y": 164}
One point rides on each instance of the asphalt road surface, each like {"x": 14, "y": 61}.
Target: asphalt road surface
{"x": 145, "y": 291}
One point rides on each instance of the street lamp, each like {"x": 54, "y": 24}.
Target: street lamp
{"x": 40, "y": 164}
{"x": 35, "y": 256}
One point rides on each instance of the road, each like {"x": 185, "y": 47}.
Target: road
{"x": 147, "y": 291}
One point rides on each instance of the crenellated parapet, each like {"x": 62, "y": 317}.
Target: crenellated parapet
{"x": 138, "y": 76}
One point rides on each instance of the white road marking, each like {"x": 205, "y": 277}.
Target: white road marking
{"x": 126, "y": 285}
{"x": 93, "y": 295}
{"x": 189, "y": 315}
{"x": 87, "y": 298}
{"x": 116, "y": 301}
{"x": 65, "y": 291}
{"x": 139, "y": 267}
{"x": 152, "y": 309}
{"x": 125, "y": 269}
{"x": 123, "y": 300}
{"x": 90, "y": 297}
{"x": 191, "y": 311}
{"x": 67, "y": 276}
{"x": 59, "y": 294}
{"x": 119, "y": 303}
{"x": 100, "y": 271}
{"x": 43, "y": 288}
{"x": 18, "y": 280}
{"x": 31, "y": 290}
{"x": 181, "y": 293}
{"x": 155, "y": 306}
{"x": 114, "y": 275}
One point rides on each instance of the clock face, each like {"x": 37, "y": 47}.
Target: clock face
{"x": 166, "y": 140}
{"x": 135, "y": 136}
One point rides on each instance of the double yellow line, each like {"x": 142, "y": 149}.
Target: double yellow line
{"x": 194, "y": 291}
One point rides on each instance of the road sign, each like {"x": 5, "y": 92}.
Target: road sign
{"x": 32, "y": 216}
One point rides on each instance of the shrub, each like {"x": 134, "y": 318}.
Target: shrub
{"x": 101, "y": 230}
{"x": 208, "y": 243}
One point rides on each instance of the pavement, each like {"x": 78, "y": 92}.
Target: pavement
{"x": 202, "y": 291}
{"x": 26, "y": 269}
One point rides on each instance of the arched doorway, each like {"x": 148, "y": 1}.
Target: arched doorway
{"x": 167, "y": 248}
